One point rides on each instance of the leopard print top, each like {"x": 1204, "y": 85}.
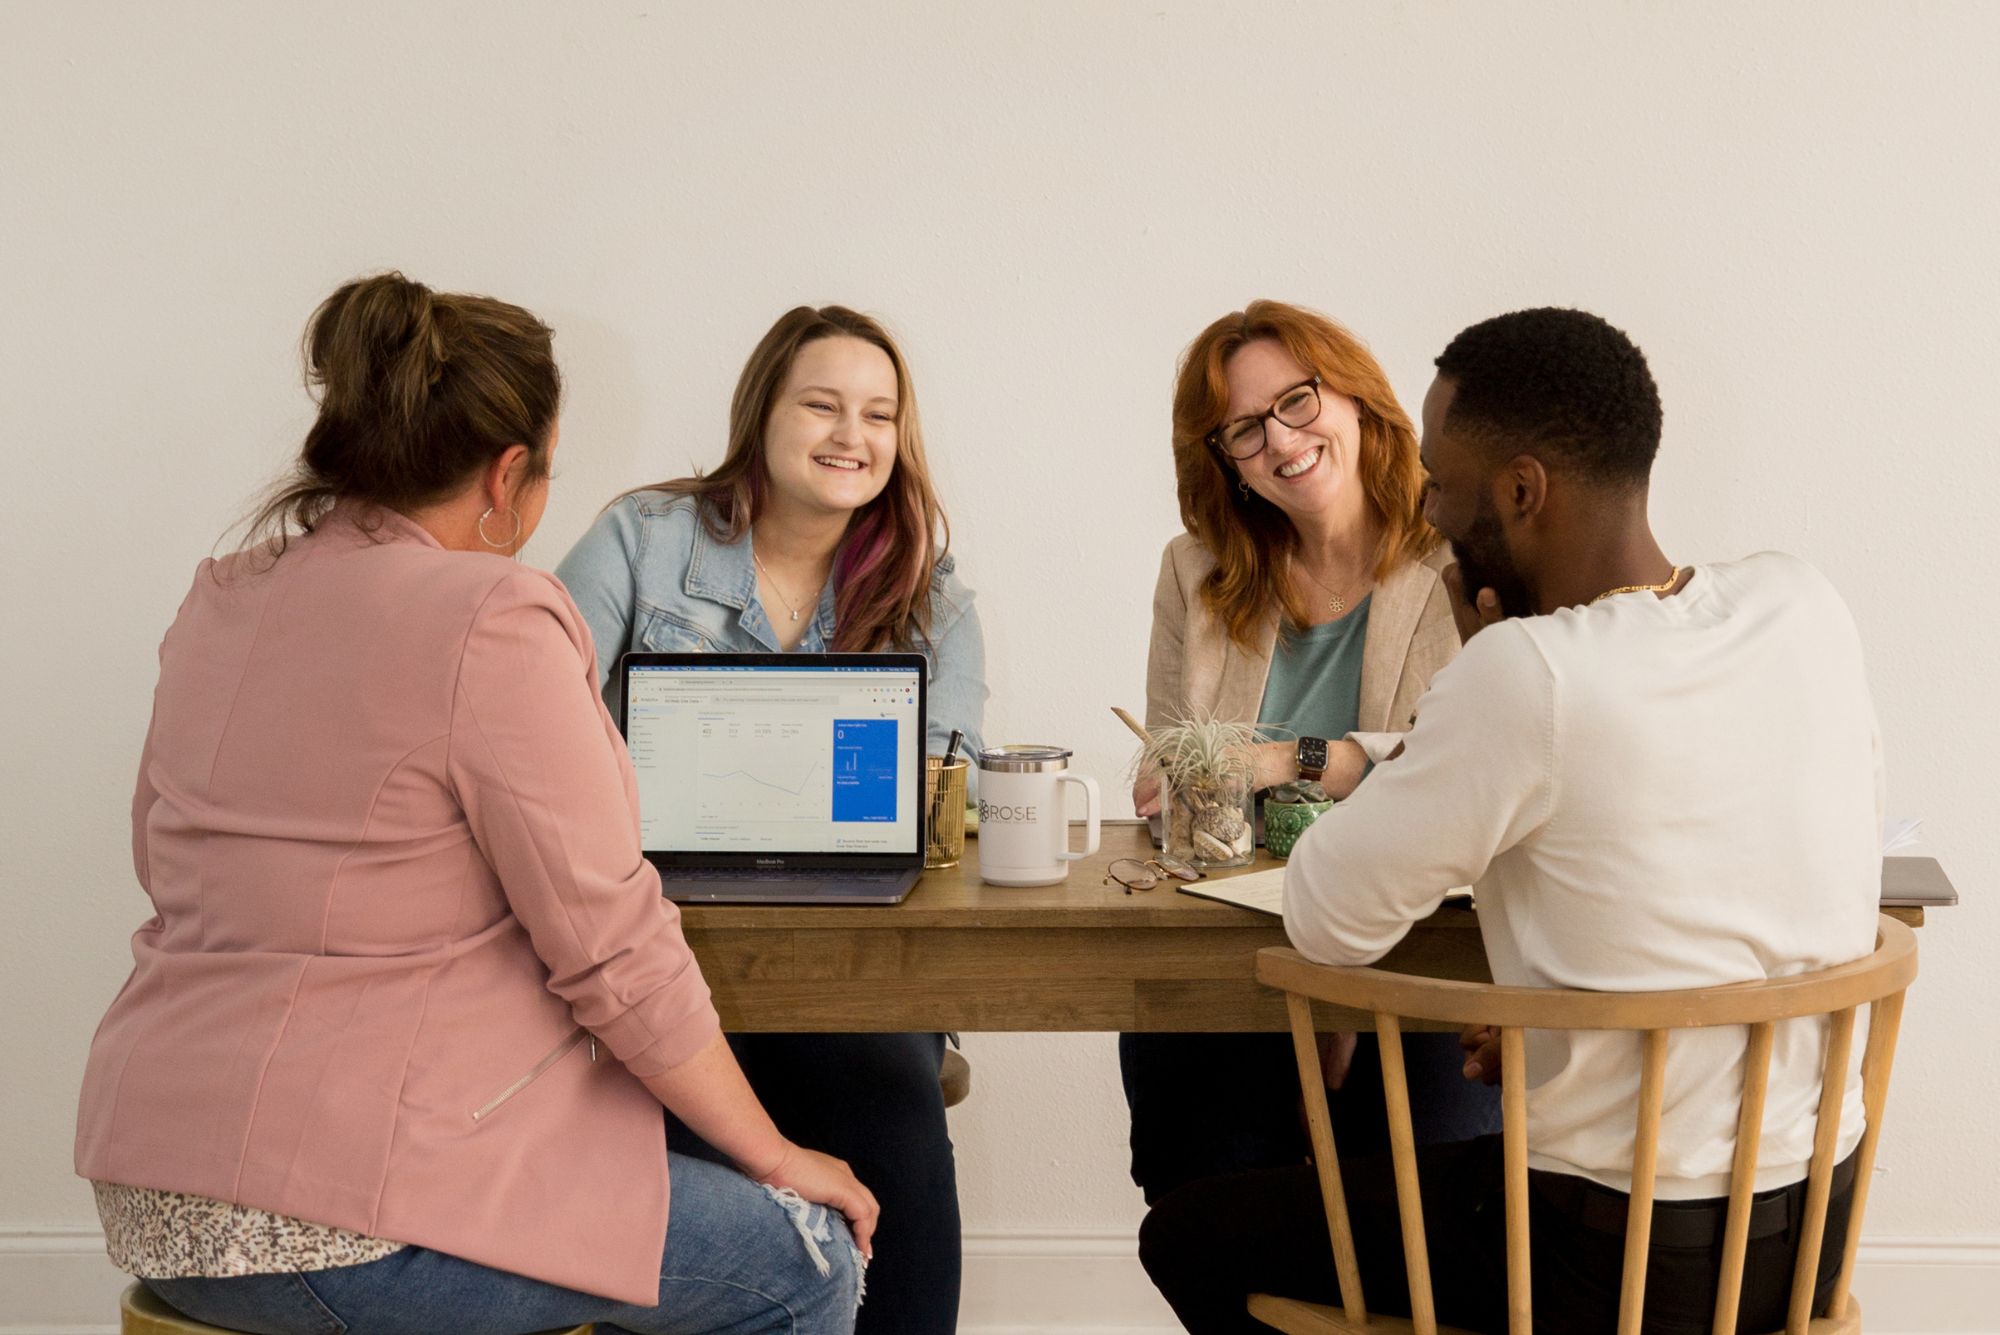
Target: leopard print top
{"x": 170, "y": 1235}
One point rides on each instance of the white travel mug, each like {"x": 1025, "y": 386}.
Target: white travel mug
{"x": 1023, "y": 824}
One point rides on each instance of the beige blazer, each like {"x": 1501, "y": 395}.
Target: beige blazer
{"x": 1194, "y": 665}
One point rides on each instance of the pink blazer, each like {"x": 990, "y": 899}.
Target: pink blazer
{"x": 407, "y": 964}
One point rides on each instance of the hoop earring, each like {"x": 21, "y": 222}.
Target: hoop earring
{"x": 509, "y": 541}
{"x": 1242, "y": 488}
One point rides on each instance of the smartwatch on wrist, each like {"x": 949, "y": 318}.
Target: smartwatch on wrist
{"x": 1312, "y": 758}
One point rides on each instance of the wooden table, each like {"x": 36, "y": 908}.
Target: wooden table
{"x": 962, "y": 955}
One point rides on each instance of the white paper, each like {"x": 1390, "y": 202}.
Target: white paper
{"x": 1264, "y": 891}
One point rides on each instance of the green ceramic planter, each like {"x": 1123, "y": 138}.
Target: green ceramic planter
{"x": 1284, "y": 822}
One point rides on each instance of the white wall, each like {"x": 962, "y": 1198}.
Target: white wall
{"x": 1792, "y": 208}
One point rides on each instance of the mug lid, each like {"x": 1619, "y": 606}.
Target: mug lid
{"x": 1024, "y": 758}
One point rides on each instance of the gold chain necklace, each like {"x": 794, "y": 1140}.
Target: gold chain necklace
{"x": 1661, "y": 587}
{"x": 789, "y": 605}
{"x": 1335, "y": 603}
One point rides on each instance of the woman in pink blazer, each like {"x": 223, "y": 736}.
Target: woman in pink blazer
{"x": 395, "y": 1043}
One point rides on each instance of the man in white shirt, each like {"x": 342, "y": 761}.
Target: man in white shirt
{"x": 1654, "y": 776}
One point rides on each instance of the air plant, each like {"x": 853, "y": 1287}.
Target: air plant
{"x": 1206, "y": 765}
{"x": 1198, "y": 749}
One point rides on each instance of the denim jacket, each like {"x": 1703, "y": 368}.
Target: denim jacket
{"x": 650, "y": 576}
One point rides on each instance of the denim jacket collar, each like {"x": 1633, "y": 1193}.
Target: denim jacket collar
{"x": 726, "y": 573}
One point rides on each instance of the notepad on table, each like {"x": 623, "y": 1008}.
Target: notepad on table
{"x": 1264, "y": 891}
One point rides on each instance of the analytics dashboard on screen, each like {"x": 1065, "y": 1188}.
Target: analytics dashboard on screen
{"x": 794, "y": 759}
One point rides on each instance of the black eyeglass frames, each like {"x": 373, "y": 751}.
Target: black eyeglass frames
{"x": 1243, "y": 437}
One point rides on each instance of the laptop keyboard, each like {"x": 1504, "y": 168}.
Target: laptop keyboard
{"x": 779, "y": 876}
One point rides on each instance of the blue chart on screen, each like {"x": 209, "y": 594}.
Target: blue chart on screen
{"x": 864, "y": 769}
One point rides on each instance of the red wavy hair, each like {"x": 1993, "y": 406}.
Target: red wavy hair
{"x": 1249, "y": 537}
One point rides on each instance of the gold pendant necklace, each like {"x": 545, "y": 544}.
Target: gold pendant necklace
{"x": 1334, "y": 603}
{"x": 1661, "y": 587}
{"x": 789, "y": 605}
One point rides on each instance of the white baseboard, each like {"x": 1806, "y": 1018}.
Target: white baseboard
{"x": 1928, "y": 1286}
{"x": 54, "y": 1280}
{"x": 1026, "y": 1283}
{"x": 1090, "y": 1283}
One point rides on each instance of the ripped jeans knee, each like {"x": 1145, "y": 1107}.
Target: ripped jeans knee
{"x": 829, "y": 1244}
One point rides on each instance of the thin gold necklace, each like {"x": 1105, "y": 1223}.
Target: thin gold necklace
{"x": 1661, "y": 587}
{"x": 1335, "y": 603}
{"x": 790, "y": 606}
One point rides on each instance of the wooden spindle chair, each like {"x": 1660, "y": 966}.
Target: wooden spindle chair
{"x": 1878, "y": 981}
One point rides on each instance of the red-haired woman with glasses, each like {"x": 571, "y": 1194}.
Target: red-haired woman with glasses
{"x": 819, "y": 531}
{"x": 1307, "y": 597}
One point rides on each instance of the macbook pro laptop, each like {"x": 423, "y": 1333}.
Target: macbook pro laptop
{"x": 779, "y": 778}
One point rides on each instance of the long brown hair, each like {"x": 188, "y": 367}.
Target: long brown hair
{"x": 1250, "y": 538}
{"x": 883, "y": 569}
{"x": 418, "y": 390}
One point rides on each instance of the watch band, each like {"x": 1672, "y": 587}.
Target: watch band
{"x": 1311, "y": 754}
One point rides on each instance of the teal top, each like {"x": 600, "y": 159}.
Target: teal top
{"x": 1314, "y": 689}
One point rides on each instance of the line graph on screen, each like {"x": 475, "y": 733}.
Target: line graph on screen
{"x": 761, "y": 770}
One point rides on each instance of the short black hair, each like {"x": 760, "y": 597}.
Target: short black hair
{"x": 1562, "y": 381}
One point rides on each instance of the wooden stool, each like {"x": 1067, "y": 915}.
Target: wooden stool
{"x": 140, "y": 1313}
{"x": 954, "y": 1077}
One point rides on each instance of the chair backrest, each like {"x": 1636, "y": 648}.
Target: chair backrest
{"x": 1877, "y": 981}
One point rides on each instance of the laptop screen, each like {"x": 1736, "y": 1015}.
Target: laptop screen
{"x": 781, "y": 754}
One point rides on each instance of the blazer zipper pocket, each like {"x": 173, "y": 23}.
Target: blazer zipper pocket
{"x": 562, "y": 1049}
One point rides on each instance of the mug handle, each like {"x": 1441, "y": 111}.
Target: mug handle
{"x": 1091, "y": 822}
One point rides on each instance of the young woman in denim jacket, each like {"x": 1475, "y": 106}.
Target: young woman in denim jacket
{"x": 819, "y": 532}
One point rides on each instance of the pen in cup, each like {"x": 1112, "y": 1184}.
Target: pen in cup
{"x": 944, "y": 839}
{"x": 938, "y": 791}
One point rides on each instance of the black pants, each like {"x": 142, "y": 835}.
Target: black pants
{"x": 1212, "y": 1243}
{"x": 873, "y": 1100}
{"x": 1207, "y": 1104}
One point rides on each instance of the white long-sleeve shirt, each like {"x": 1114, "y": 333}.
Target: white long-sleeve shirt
{"x": 1648, "y": 793}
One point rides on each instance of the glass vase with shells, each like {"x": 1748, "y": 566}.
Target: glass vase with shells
{"x": 1209, "y": 799}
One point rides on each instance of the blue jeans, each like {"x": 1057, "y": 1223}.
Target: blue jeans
{"x": 873, "y": 1100}
{"x": 737, "y": 1260}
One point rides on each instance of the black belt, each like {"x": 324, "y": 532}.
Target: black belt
{"x": 1681, "y": 1223}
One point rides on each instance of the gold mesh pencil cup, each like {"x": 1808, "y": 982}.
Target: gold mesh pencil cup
{"x": 944, "y": 810}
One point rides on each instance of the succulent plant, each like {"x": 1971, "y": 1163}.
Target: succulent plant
{"x": 1300, "y": 790}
